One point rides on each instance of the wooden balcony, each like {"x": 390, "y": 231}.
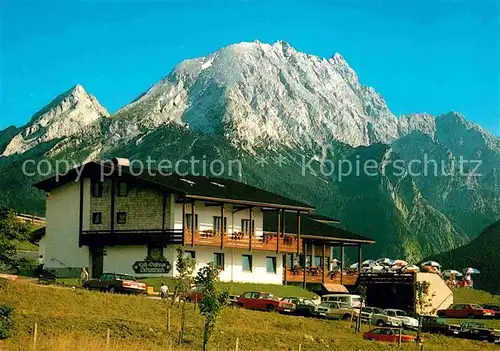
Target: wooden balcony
{"x": 267, "y": 242}
{"x": 131, "y": 237}
{"x": 315, "y": 275}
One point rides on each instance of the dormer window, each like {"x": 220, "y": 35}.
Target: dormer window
{"x": 122, "y": 189}
{"x": 96, "y": 188}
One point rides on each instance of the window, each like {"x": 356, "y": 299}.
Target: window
{"x": 248, "y": 295}
{"x": 122, "y": 189}
{"x": 155, "y": 252}
{"x": 219, "y": 260}
{"x": 317, "y": 261}
{"x": 245, "y": 226}
{"x": 190, "y": 254}
{"x": 121, "y": 217}
{"x": 271, "y": 264}
{"x": 217, "y": 224}
{"x": 106, "y": 276}
{"x": 189, "y": 221}
{"x": 96, "y": 188}
{"x": 246, "y": 263}
{"x": 96, "y": 218}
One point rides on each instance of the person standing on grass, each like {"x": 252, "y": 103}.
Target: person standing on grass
{"x": 84, "y": 276}
{"x": 41, "y": 263}
{"x": 163, "y": 291}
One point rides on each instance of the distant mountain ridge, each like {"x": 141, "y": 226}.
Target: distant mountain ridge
{"x": 253, "y": 101}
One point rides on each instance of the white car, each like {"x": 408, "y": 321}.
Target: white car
{"x": 381, "y": 319}
{"x": 408, "y": 322}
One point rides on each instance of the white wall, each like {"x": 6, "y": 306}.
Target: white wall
{"x": 60, "y": 243}
{"x": 440, "y": 294}
{"x": 233, "y": 264}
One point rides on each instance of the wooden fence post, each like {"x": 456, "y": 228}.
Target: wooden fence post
{"x": 399, "y": 338}
{"x": 168, "y": 319}
{"x": 35, "y": 335}
{"x": 237, "y": 348}
{"x": 108, "y": 337}
{"x": 300, "y": 347}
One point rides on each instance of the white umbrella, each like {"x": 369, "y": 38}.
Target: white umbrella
{"x": 368, "y": 263}
{"x": 355, "y": 265}
{"x": 449, "y": 272}
{"x": 471, "y": 270}
{"x": 400, "y": 263}
{"x": 385, "y": 260}
{"x": 378, "y": 268}
{"x": 431, "y": 263}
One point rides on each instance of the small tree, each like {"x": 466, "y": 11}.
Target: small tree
{"x": 213, "y": 300}
{"x": 362, "y": 294}
{"x": 185, "y": 268}
{"x": 10, "y": 231}
{"x": 422, "y": 301}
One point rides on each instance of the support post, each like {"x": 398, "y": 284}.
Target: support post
{"x": 81, "y": 208}
{"x": 193, "y": 222}
{"x": 184, "y": 205}
{"x": 342, "y": 263}
{"x": 250, "y": 226}
{"x": 298, "y": 233}
{"x": 304, "y": 283}
{"x": 113, "y": 190}
{"x": 324, "y": 264}
{"x": 278, "y": 235}
{"x": 163, "y": 214}
{"x": 360, "y": 258}
{"x": 222, "y": 226}
{"x": 285, "y": 265}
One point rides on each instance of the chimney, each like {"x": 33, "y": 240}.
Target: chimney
{"x": 119, "y": 161}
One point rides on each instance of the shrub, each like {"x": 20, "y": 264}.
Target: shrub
{"x": 6, "y": 321}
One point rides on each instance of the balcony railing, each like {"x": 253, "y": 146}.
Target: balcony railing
{"x": 131, "y": 237}
{"x": 240, "y": 240}
{"x": 315, "y": 275}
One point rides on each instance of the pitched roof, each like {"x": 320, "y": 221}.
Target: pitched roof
{"x": 311, "y": 228}
{"x": 189, "y": 186}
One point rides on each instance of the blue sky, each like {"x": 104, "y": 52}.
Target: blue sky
{"x": 422, "y": 56}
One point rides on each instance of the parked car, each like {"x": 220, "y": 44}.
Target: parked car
{"x": 305, "y": 307}
{"x": 368, "y": 311}
{"x": 339, "y": 310}
{"x": 351, "y": 300}
{"x": 406, "y": 320}
{"x": 116, "y": 282}
{"x": 382, "y": 319}
{"x": 466, "y": 311}
{"x": 195, "y": 294}
{"x": 437, "y": 325}
{"x": 388, "y": 335}
{"x": 478, "y": 331}
{"x": 493, "y": 307}
{"x": 264, "y": 301}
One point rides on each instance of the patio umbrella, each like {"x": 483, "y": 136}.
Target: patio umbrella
{"x": 431, "y": 263}
{"x": 412, "y": 268}
{"x": 400, "y": 263}
{"x": 471, "y": 270}
{"x": 386, "y": 261}
{"x": 449, "y": 272}
{"x": 378, "y": 268}
{"x": 354, "y": 266}
{"x": 368, "y": 263}
{"x": 431, "y": 269}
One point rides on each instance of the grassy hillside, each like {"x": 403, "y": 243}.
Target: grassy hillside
{"x": 78, "y": 320}
{"x": 482, "y": 253}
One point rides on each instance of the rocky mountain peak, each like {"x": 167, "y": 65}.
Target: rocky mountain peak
{"x": 64, "y": 116}
{"x": 261, "y": 94}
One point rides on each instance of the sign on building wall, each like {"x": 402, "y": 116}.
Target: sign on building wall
{"x": 148, "y": 267}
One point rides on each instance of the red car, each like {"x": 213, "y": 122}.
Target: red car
{"x": 461, "y": 310}
{"x": 263, "y": 301}
{"x": 388, "y": 335}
